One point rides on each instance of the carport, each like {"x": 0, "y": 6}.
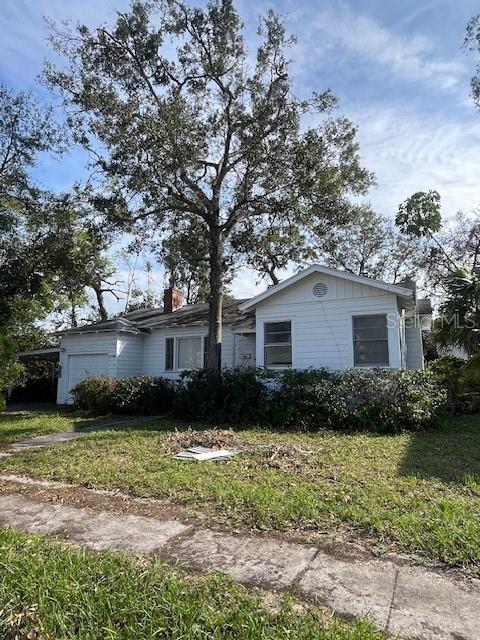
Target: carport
{"x": 42, "y": 388}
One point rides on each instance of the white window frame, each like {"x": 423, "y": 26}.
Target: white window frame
{"x": 176, "y": 338}
{"x": 367, "y": 315}
{"x": 277, "y": 321}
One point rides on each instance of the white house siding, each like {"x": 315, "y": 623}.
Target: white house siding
{"x": 322, "y": 334}
{"x": 245, "y": 350}
{"x": 130, "y": 355}
{"x": 84, "y": 344}
{"x": 413, "y": 339}
{"x": 228, "y": 348}
{"x": 154, "y": 348}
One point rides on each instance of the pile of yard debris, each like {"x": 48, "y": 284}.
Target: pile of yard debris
{"x": 212, "y": 444}
{"x": 222, "y": 444}
{"x": 291, "y": 458}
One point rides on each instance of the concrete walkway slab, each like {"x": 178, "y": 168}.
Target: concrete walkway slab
{"x": 429, "y": 607}
{"x": 136, "y": 533}
{"x": 51, "y": 439}
{"x": 251, "y": 560}
{"x": 47, "y": 440}
{"x": 401, "y": 599}
{"x": 96, "y": 531}
{"x": 352, "y": 588}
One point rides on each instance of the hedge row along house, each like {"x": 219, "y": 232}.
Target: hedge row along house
{"x": 320, "y": 317}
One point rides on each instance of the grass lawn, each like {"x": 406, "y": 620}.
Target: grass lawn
{"x": 48, "y": 590}
{"x": 419, "y": 492}
{"x": 17, "y": 426}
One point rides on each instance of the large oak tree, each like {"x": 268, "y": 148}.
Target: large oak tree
{"x": 27, "y": 230}
{"x": 183, "y": 121}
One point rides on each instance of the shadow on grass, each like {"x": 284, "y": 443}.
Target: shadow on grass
{"x": 127, "y": 423}
{"x": 29, "y": 409}
{"x": 450, "y": 453}
{"x": 6, "y": 438}
{"x": 9, "y": 418}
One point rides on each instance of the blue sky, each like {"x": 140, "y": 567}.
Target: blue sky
{"x": 397, "y": 67}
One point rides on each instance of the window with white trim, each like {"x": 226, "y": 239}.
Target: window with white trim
{"x": 370, "y": 341}
{"x": 185, "y": 352}
{"x": 278, "y": 344}
{"x": 169, "y": 353}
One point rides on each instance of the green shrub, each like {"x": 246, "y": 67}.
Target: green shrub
{"x": 143, "y": 396}
{"x": 391, "y": 401}
{"x": 236, "y": 395}
{"x": 461, "y": 381}
{"x": 94, "y": 394}
{"x": 372, "y": 399}
{"x": 449, "y": 372}
{"x": 306, "y": 400}
{"x": 132, "y": 396}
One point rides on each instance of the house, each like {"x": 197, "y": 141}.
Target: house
{"x": 320, "y": 317}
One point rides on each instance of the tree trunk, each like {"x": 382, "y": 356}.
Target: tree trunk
{"x": 101, "y": 303}
{"x": 272, "y": 275}
{"x": 215, "y": 298}
{"x": 73, "y": 312}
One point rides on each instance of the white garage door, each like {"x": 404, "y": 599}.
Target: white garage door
{"x": 86, "y": 365}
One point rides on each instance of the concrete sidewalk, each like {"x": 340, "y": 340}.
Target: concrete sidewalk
{"x": 80, "y": 431}
{"x": 401, "y": 599}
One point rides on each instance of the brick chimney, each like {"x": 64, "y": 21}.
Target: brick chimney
{"x": 172, "y": 300}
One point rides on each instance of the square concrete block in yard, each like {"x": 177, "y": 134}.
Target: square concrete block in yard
{"x": 352, "y": 589}
{"x": 260, "y": 561}
{"x": 430, "y": 606}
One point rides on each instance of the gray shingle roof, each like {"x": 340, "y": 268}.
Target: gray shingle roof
{"x": 115, "y": 324}
{"x": 143, "y": 320}
{"x": 190, "y": 315}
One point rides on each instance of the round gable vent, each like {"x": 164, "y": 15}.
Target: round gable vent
{"x": 320, "y": 289}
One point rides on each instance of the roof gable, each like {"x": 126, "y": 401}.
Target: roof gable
{"x": 403, "y": 292}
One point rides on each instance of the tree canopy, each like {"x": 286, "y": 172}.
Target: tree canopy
{"x": 472, "y": 43}
{"x": 184, "y": 121}
{"x": 369, "y": 245}
{"x": 28, "y": 231}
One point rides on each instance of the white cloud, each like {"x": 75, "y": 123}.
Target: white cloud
{"x": 247, "y": 284}
{"x": 411, "y": 57}
{"x": 409, "y": 152}
{"x": 418, "y": 11}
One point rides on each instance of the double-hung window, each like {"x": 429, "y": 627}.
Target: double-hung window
{"x": 278, "y": 344}
{"x": 370, "y": 341}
